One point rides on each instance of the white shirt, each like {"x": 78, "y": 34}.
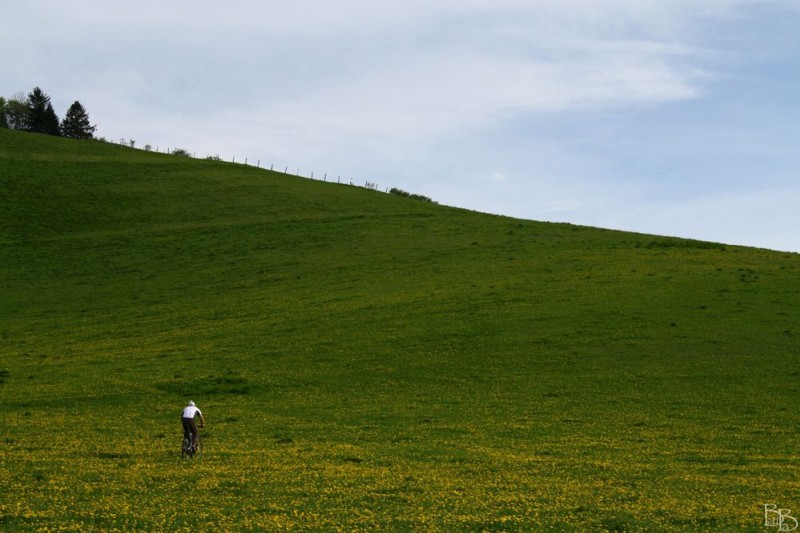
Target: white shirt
{"x": 190, "y": 411}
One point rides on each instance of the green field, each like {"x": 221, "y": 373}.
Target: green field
{"x": 370, "y": 362}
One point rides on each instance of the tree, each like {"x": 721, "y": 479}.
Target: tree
{"x": 76, "y": 123}
{"x": 37, "y": 119}
{"x": 51, "y": 125}
{"x": 17, "y": 112}
{"x": 3, "y": 119}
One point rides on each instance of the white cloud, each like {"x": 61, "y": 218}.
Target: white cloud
{"x": 315, "y": 79}
{"x": 401, "y": 95}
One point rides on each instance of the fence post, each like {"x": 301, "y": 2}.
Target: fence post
{"x": 233, "y": 160}
{"x": 259, "y": 164}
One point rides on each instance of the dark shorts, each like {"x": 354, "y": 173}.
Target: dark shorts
{"x": 189, "y": 427}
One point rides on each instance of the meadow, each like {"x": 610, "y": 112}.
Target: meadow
{"x": 370, "y": 362}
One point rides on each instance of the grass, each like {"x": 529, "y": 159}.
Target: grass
{"x": 367, "y": 361}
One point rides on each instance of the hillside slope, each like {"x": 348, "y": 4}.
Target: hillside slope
{"x": 368, "y": 360}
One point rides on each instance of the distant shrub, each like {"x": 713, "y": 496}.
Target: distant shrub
{"x": 401, "y": 192}
{"x": 214, "y": 158}
{"x": 674, "y": 242}
{"x": 181, "y": 152}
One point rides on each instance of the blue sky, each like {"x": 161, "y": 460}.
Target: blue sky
{"x": 671, "y": 117}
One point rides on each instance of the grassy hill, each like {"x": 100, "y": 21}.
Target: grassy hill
{"x": 366, "y": 361}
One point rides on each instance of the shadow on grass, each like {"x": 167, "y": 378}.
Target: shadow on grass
{"x": 206, "y": 386}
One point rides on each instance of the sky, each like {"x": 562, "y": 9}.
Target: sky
{"x": 667, "y": 117}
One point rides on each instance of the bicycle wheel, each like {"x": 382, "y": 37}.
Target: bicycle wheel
{"x": 186, "y": 448}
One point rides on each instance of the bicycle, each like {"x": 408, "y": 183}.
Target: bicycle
{"x": 187, "y": 450}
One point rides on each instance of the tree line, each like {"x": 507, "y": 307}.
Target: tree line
{"x": 35, "y": 113}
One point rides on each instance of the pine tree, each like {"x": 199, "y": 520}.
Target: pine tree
{"x": 51, "y": 125}
{"x": 37, "y": 103}
{"x": 76, "y": 123}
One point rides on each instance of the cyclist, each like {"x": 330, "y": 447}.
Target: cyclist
{"x": 189, "y": 425}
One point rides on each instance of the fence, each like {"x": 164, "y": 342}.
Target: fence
{"x": 185, "y": 153}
